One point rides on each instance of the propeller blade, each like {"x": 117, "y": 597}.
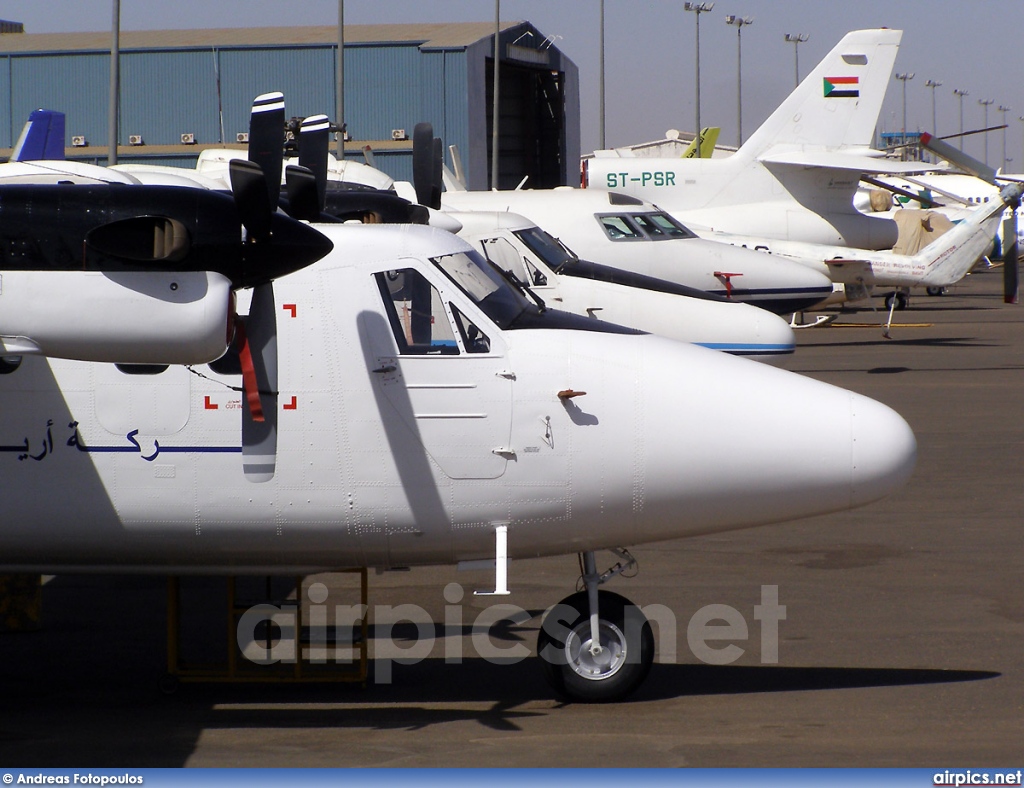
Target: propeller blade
{"x": 266, "y": 140}
{"x": 967, "y": 163}
{"x": 436, "y": 174}
{"x": 314, "y": 143}
{"x": 1011, "y": 195}
{"x": 259, "y": 376}
{"x": 925, "y": 202}
{"x": 301, "y": 187}
{"x": 423, "y": 162}
{"x": 249, "y": 186}
{"x": 1010, "y": 274}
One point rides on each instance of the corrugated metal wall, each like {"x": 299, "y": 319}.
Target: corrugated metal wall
{"x": 163, "y": 94}
{"x": 74, "y": 84}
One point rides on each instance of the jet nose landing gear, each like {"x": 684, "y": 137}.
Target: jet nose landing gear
{"x": 595, "y": 646}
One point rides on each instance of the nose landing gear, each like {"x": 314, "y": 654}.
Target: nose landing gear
{"x": 595, "y": 646}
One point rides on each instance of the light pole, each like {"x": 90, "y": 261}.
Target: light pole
{"x": 961, "y": 94}
{"x": 698, "y": 9}
{"x": 739, "y": 22}
{"x": 931, "y": 83}
{"x": 1004, "y": 110}
{"x": 115, "y": 84}
{"x": 903, "y": 134}
{"x": 796, "y": 39}
{"x": 1021, "y": 118}
{"x": 339, "y": 85}
{"x": 601, "y": 86}
{"x": 495, "y": 114}
{"x": 985, "y": 103}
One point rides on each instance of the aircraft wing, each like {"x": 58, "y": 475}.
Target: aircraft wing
{"x": 837, "y": 160}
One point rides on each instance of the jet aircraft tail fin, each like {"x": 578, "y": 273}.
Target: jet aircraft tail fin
{"x": 42, "y": 137}
{"x": 838, "y": 103}
{"x": 708, "y": 139}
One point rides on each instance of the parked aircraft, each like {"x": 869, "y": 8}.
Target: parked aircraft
{"x": 625, "y": 233}
{"x": 538, "y": 262}
{"x": 943, "y": 262}
{"x": 796, "y": 176}
{"x": 424, "y": 412}
{"x": 42, "y": 137}
{"x": 708, "y": 138}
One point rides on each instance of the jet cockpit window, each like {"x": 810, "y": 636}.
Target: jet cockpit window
{"x": 417, "y": 314}
{"x": 498, "y": 299}
{"x": 649, "y": 226}
{"x": 661, "y": 226}
{"x": 618, "y": 228}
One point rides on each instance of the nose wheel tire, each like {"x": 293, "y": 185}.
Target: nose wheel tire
{"x": 579, "y": 672}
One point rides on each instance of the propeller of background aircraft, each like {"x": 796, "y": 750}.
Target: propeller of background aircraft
{"x": 314, "y": 142}
{"x": 1010, "y": 195}
{"x": 427, "y": 166}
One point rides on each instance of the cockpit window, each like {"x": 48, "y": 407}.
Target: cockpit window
{"x": 501, "y": 302}
{"x": 618, "y": 228}
{"x": 665, "y": 224}
{"x": 416, "y": 313}
{"x": 417, "y": 310}
{"x": 473, "y": 339}
{"x": 649, "y": 226}
{"x": 546, "y": 247}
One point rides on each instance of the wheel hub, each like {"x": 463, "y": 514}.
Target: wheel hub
{"x": 596, "y": 662}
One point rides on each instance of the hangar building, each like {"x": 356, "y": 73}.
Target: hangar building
{"x": 183, "y": 90}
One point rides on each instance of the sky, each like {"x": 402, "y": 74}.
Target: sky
{"x": 970, "y": 45}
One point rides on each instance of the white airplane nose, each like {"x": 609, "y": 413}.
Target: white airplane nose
{"x": 775, "y": 333}
{"x": 884, "y": 450}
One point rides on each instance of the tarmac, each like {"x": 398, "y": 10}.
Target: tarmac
{"x": 901, "y": 645}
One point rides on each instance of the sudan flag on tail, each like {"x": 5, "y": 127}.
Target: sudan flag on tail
{"x": 842, "y": 87}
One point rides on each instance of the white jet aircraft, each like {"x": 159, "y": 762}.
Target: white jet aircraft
{"x": 623, "y": 232}
{"x": 796, "y": 176}
{"x": 389, "y": 400}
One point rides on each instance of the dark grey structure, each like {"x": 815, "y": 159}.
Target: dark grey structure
{"x": 182, "y": 90}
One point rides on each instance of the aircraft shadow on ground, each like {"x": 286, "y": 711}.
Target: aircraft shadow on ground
{"x": 897, "y": 340}
{"x": 114, "y": 718}
{"x": 669, "y": 681}
{"x": 432, "y": 692}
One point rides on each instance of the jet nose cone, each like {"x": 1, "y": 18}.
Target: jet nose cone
{"x": 775, "y": 334}
{"x": 884, "y": 450}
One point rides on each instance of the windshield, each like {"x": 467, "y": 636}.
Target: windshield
{"x": 501, "y": 302}
{"x": 647, "y": 226}
{"x": 545, "y": 247}
{"x": 655, "y": 223}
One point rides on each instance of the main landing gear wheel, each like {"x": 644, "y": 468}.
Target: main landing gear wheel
{"x": 935, "y": 291}
{"x": 901, "y": 300}
{"x": 573, "y": 668}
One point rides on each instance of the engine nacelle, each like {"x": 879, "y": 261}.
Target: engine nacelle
{"x": 130, "y": 317}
